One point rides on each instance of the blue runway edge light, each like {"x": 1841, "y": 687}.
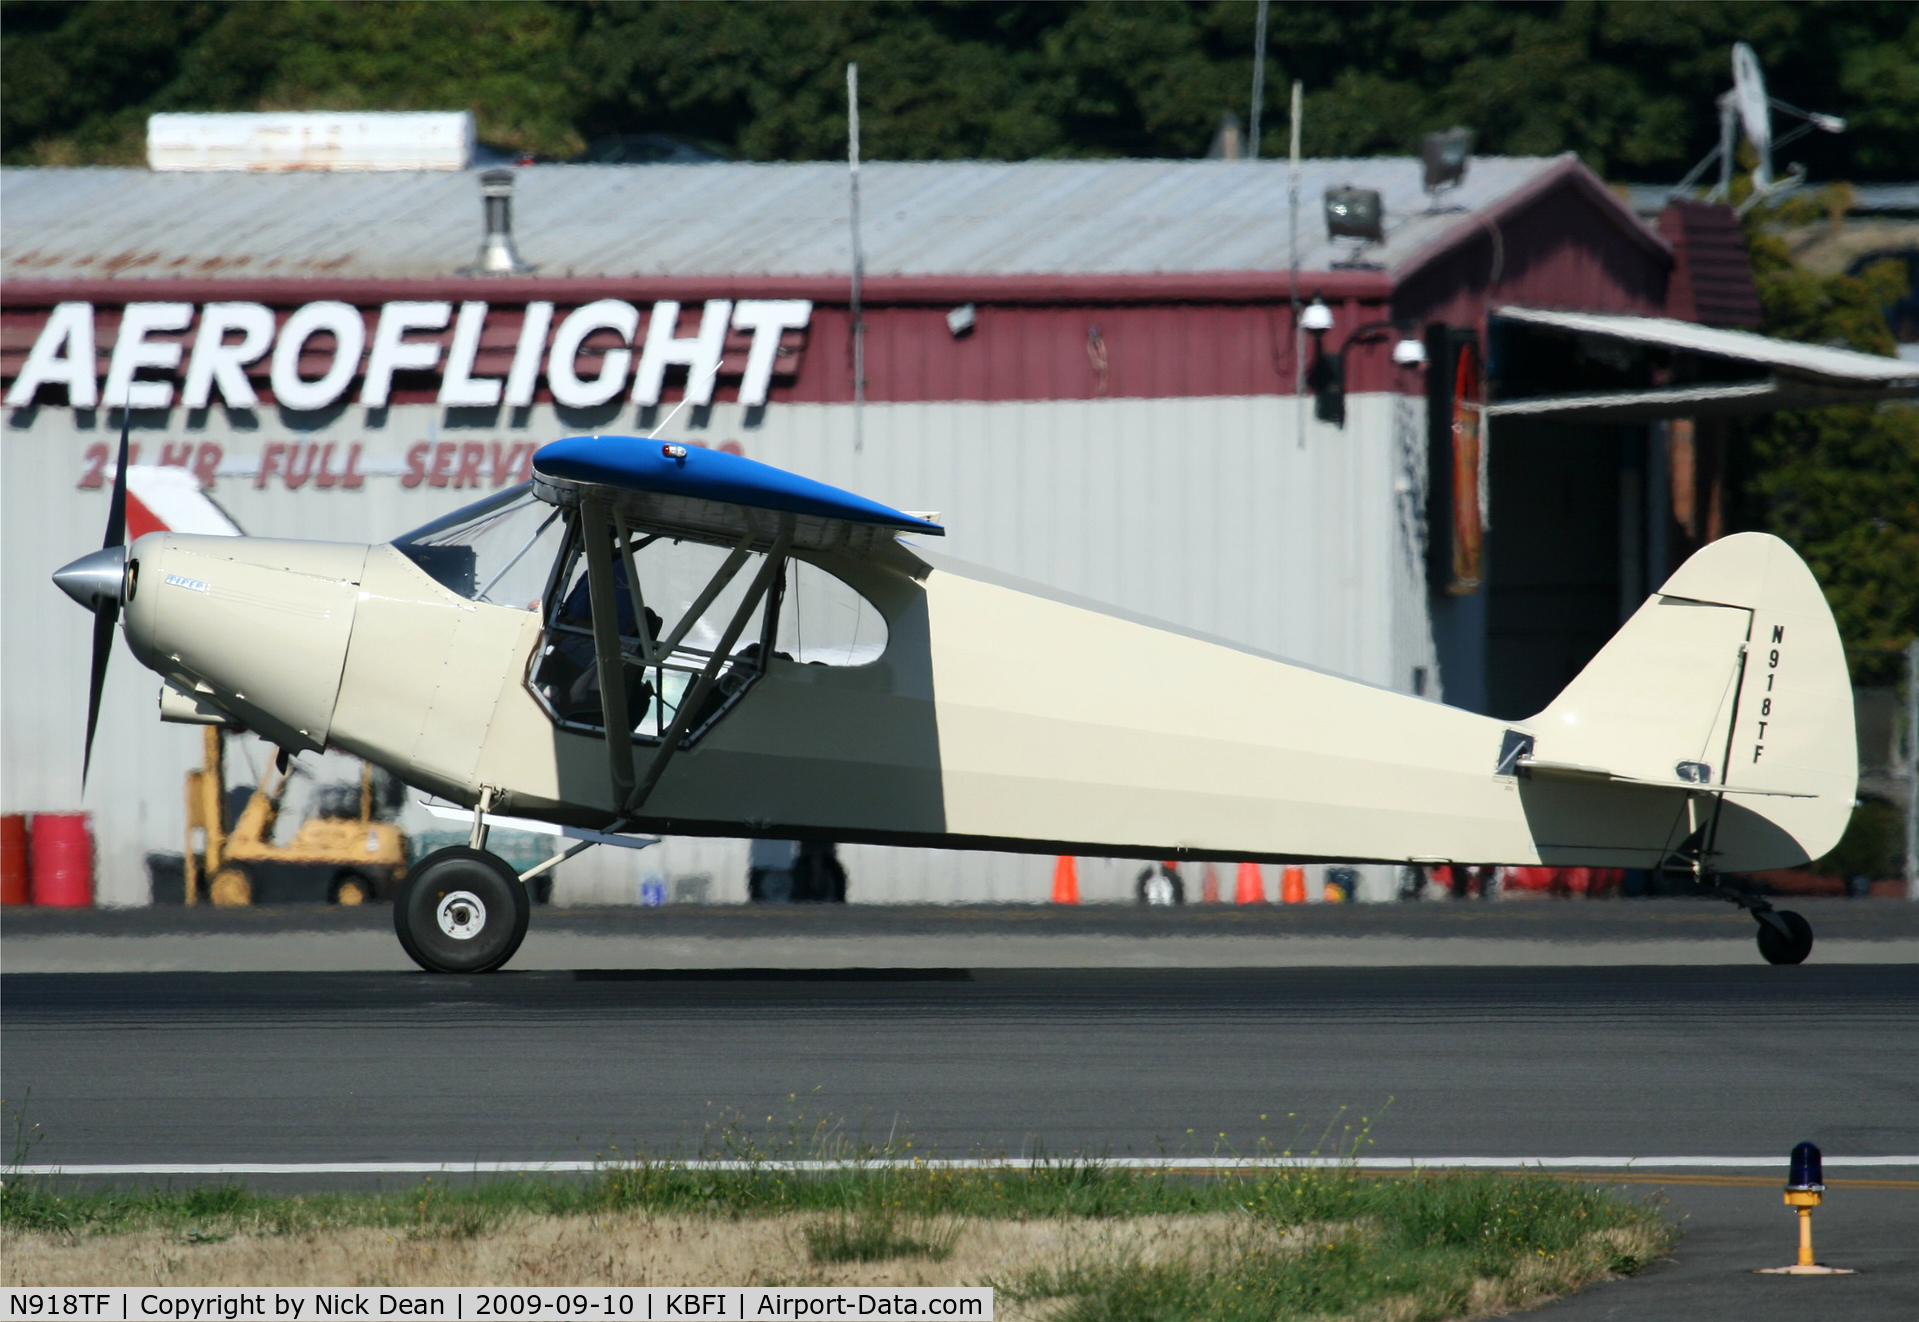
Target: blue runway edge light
{"x": 635, "y": 463}
{"x": 1806, "y": 1169}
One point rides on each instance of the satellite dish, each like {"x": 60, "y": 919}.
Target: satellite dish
{"x": 1755, "y": 113}
{"x": 1748, "y": 107}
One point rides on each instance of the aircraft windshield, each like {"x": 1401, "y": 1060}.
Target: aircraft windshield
{"x": 499, "y": 550}
{"x": 690, "y": 598}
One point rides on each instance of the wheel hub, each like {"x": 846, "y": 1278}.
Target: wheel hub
{"x": 461, "y": 915}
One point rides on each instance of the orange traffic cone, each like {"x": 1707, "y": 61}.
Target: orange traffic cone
{"x": 1209, "y": 885}
{"x": 1252, "y": 887}
{"x": 1292, "y": 885}
{"x": 1066, "y": 880}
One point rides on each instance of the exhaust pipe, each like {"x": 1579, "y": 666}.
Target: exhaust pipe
{"x": 497, "y": 254}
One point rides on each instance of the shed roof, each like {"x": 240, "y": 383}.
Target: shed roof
{"x": 969, "y": 218}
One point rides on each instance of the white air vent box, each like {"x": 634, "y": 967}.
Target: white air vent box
{"x": 311, "y": 140}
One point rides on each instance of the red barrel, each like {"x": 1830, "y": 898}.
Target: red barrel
{"x": 13, "y": 859}
{"x": 62, "y": 860}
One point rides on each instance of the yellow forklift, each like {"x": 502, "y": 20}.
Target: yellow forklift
{"x": 331, "y": 858}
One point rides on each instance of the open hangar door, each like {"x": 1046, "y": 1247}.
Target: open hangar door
{"x": 1566, "y": 556}
{"x": 1576, "y": 460}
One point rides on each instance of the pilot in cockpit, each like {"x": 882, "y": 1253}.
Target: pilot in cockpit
{"x": 573, "y": 684}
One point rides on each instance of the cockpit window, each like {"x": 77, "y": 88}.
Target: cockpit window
{"x": 688, "y": 599}
{"x": 686, "y": 610}
{"x": 499, "y": 550}
{"x": 824, "y": 622}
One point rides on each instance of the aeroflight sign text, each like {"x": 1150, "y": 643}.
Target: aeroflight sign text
{"x": 168, "y": 353}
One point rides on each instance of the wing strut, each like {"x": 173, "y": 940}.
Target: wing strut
{"x": 769, "y": 571}
{"x": 595, "y": 521}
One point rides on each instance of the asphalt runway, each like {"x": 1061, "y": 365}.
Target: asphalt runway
{"x": 1434, "y": 1062}
{"x": 1517, "y": 934}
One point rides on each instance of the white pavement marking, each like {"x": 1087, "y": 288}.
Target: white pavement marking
{"x": 953, "y": 1163}
{"x": 367, "y": 952}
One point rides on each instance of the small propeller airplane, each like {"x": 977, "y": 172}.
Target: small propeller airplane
{"x": 649, "y": 637}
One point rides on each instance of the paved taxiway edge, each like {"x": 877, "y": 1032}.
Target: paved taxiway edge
{"x": 1186, "y": 1165}
{"x": 374, "y": 952}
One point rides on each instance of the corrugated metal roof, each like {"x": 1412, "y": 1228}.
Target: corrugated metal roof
{"x": 935, "y": 218}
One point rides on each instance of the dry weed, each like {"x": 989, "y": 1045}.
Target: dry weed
{"x": 597, "y": 1250}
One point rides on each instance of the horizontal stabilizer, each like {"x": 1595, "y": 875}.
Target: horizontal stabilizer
{"x": 1574, "y": 770}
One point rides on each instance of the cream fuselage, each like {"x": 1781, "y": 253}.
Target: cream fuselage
{"x": 1000, "y": 716}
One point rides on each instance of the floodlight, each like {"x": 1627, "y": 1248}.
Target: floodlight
{"x": 1354, "y": 213}
{"x": 1317, "y": 319}
{"x": 1445, "y": 156}
{"x": 961, "y": 319}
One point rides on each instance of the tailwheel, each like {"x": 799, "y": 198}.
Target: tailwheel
{"x": 461, "y": 910}
{"x": 1784, "y": 937}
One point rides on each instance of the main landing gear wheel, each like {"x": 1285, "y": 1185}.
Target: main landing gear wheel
{"x": 1787, "y": 947}
{"x": 461, "y": 910}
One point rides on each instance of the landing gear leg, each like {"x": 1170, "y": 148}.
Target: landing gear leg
{"x": 1784, "y": 936}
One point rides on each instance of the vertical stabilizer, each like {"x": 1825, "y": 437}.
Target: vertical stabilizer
{"x": 1733, "y": 677}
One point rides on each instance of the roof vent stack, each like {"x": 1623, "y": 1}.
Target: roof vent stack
{"x": 497, "y": 254}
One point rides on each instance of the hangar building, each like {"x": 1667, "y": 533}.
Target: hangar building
{"x": 1088, "y": 369}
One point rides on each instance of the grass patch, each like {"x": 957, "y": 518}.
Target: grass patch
{"x": 1072, "y": 1240}
{"x": 1409, "y": 1249}
{"x": 875, "y": 1196}
{"x": 880, "y": 1234}
{"x": 208, "y": 1214}
{"x": 1281, "y": 1244}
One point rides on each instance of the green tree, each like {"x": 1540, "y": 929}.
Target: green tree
{"x": 1841, "y": 484}
{"x": 82, "y": 78}
{"x": 1627, "y": 85}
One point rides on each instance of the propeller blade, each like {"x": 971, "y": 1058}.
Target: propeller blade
{"x": 117, "y": 511}
{"x": 106, "y": 615}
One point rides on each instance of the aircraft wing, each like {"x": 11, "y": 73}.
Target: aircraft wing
{"x": 709, "y": 495}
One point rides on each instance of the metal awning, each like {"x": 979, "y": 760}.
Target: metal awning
{"x": 1708, "y": 372}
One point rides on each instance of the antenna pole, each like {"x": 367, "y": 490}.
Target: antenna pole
{"x": 859, "y": 258}
{"x": 1259, "y": 80}
{"x": 1292, "y": 214}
